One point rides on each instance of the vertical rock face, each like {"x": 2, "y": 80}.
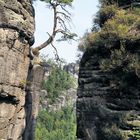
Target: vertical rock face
{"x": 16, "y": 31}
{"x": 105, "y": 112}
{"x": 35, "y": 77}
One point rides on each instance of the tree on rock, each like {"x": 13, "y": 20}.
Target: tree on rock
{"x": 61, "y": 21}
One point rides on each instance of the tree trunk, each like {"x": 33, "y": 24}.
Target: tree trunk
{"x": 19, "y": 87}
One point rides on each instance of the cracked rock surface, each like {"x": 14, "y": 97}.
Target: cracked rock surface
{"x": 106, "y": 111}
{"x": 18, "y": 104}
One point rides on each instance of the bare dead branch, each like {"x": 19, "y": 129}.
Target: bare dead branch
{"x": 62, "y": 23}
{"x": 61, "y": 31}
{"x": 57, "y": 58}
{"x": 62, "y": 7}
{"x": 65, "y": 15}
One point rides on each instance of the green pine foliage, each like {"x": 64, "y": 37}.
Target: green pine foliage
{"x": 117, "y": 29}
{"x": 59, "y": 1}
{"x": 136, "y": 134}
{"x": 58, "y": 81}
{"x": 59, "y": 125}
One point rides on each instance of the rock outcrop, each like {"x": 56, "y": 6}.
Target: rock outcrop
{"x": 108, "y": 105}
{"x": 19, "y": 83}
{"x": 67, "y": 98}
{"x": 105, "y": 110}
{"x": 72, "y": 68}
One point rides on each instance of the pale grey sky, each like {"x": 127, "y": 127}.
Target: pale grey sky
{"x": 83, "y": 12}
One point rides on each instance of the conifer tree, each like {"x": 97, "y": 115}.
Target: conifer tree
{"x": 61, "y": 22}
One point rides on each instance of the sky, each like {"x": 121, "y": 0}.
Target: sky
{"x": 83, "y": 11}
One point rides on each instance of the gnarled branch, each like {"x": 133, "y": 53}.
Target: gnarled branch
{"x": 60, "y": 16}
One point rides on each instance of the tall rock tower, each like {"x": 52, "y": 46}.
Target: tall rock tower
{"x": 108, "y": 104}
{"x": 18, "y": 84}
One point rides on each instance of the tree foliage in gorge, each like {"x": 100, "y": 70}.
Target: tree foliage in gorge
{"x": 59, "y": 125}
{"x": 58, "y": 80}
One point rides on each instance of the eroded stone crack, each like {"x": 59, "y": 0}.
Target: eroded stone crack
{"x": 27, "y": 36}
{"x": 5, "y": 98}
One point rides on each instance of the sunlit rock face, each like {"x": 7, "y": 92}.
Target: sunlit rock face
{"x": 16, "y": 36}
{"x": 106, "y": 111}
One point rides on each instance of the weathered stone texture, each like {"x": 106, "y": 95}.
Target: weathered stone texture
{"x": 17, "y": 13}
{"x": 16, "y": 36}
{"x": 106, "y": 111}
{"x": 35, "y": 78}
{"x": 14, "y": 65}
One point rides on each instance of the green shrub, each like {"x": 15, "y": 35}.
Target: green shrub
{"x": 104, "y": 14}
{"x": 59, "y": 125}
{"x": 136, "y": 133}
{"x": 58, "y": 81}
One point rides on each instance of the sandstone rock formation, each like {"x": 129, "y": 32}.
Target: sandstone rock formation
{"x": 106, "y": 111}
{"x": 67, "y": 98}
{"x": 19, "y": 84}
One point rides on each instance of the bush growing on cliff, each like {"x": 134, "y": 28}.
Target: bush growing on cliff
{"x": 117, "y": 27}
{"x": 136, "y": 133}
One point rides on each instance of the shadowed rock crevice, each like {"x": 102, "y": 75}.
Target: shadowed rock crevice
{"x": 8, "y": 99}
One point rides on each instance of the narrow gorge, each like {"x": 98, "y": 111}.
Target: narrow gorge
{"x": 108, "y": 102}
